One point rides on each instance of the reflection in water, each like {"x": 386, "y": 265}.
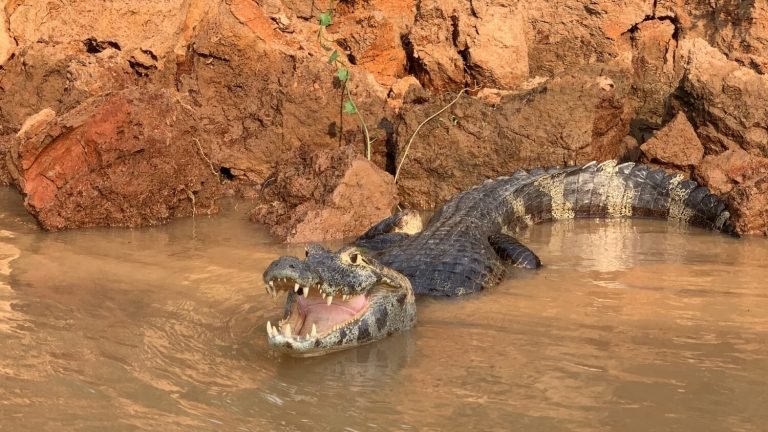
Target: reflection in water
{"x": 631, "y": 325}
{"x": 8, "y": 253}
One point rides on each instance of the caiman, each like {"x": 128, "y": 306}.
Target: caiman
{"x": 365, "y": 291}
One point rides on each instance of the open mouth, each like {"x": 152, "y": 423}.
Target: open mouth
{"x": 310, "y": 315}
{"x": 335, "y": 301}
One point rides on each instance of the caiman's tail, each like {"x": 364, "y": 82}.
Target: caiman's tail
{"x": 611, "y": 190}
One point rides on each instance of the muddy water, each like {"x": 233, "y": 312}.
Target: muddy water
{"x": 631, "y": 326}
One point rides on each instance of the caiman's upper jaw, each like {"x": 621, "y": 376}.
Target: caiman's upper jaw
{"x": 333, "y": 301}
{"x": 313, "y": 323}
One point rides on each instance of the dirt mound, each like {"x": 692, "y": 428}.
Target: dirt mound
{"x": 327, "y": 195}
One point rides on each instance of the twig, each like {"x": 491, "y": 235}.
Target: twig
{"x": 410, "y": 141}
{"x": 341, "y": 113}
{"x": 194, "y": 211}
{"x": 202, "y": 153}
{"x": 191, "y": 198}
{"x": 362, "y": 122}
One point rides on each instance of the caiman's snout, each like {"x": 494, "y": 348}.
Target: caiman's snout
{"x": 286, "y": 269}
{"x": 336, "y": 300}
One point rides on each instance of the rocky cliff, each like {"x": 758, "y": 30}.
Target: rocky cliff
{"x": 130, "y": 113}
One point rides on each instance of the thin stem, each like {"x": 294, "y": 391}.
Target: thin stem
{"x": 202, "y": 153}
{"x": 333, "y": 59}
{"x": 410, "y": 141}
{"x": 341, "y": 113}
{"x": 362, "y": 122}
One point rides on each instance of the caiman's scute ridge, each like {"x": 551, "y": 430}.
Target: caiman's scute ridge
{"x": 464, "y": 248}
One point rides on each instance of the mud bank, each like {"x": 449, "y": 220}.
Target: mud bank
{"x": 131, "y": 114}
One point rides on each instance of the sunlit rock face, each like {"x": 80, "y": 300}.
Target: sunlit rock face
{"x": 548, "y": 83}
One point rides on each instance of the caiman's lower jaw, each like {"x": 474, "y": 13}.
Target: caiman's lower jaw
{"x": 313, "y": 323}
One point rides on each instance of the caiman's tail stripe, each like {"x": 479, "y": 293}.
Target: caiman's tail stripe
{"x": 611, "y": 190}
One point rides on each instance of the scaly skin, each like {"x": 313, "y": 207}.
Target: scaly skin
{"x": 464, "y": 248}
{"x": 339, "y": 278}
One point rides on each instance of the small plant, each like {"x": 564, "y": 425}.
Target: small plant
{"x": 348, "y": 105}
{"x": 343, "y": 74}
{"x": 454, "y": 121}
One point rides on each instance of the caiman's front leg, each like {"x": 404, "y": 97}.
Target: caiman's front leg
{"x": 513, "y": 252}
{"x": 390, "y": 231}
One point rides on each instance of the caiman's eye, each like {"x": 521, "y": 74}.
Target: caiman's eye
{"x": 306, "y": 253}
{"x": 354, "y": 258}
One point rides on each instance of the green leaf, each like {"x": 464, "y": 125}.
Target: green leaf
{"x": 333, "y": 57}
{"x": 342, "y": 74}
{"x": 349, "y": 107}
{"x": 325, "y": 19}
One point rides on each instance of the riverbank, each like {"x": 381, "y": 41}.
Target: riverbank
{"x": 135, "y": 114}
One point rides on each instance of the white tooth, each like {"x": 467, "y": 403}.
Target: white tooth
{"x": 295, "y": 287}
{"x": 322, "y": 294}
{"x": 269, "y": 329}
{"x": 274, "y": 331}
{"x": 287, "y": 330}
{"x": 345, "y": 297}
{"x": 272, "y": 284}
{"x": 306, "y": 291}
{"x": 329, "y": 300}
{"x": 314, "y": 330}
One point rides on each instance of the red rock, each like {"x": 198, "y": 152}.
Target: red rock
{"x": 725, "y": 97}
{"x": 371, "y": 34}
{"x": 454, "y": 43}
{"x": 654, "y": 72}
{"x": 405, "y": 90}
{"x": 498, "y": 36}
{"x": 432, "y": 45}
{"x": 750, "y": 203}
{"x": 58, "y": 77}
{"x": 725, "y": 171}
{"x": 7, "y": 43}
{"x": 743, "y": 180}
{"x": 675, "y": 144}
{"x": 330, "y": 195}
{"x": 121, "y": 160}
{"x": 5, "y": 144}
{"x": 736, "y": 28}
{"x": 565, "y": 34}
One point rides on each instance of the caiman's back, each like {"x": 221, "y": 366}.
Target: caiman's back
{"x": 464, "y": 249}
